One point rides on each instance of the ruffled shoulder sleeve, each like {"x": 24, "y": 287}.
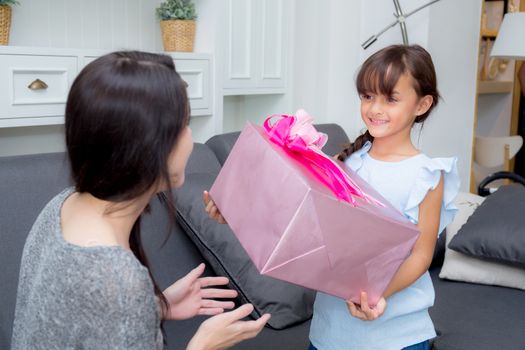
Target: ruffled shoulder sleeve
{"x": 428, "y": 179}
{"x": 355, "y": 160}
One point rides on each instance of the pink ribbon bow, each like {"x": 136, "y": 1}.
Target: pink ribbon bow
{"x": 299, "y": 138}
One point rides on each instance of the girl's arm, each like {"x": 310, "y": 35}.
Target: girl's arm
{"x": 418, "y": 261}
{"x": 420, "y": 258}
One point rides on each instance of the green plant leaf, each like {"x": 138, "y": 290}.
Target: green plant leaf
{"x": 9, "y": 2}
{"x": 176, "y": 9}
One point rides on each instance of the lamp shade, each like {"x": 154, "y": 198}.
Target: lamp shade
{"x": 510, "y": 42}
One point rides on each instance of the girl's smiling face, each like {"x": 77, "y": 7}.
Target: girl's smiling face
{"x": 386, "y": 116}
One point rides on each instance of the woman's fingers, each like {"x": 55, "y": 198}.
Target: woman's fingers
{"x": 210, "y": 311}
{"x": 213, "y": 281}
{"x": 213, "y": 293}
{"x": 193, "y": 275}
{"x": 215, "y": 304}
{"x": 250, "y": 329}
{"x": 239, "y": 313}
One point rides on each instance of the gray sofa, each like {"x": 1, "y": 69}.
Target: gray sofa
{"x": 466, "y": 316}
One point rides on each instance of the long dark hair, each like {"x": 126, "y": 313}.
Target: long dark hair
{"x": 380, "y": 73}
{"x": 124, "y": 114}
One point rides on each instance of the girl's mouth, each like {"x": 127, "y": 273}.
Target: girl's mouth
{"x": 377, "y": 121}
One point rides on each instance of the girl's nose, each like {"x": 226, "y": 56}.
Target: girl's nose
{"x": 376, "y": 107}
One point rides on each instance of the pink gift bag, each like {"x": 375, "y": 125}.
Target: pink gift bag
{"x": 303, "y": 219}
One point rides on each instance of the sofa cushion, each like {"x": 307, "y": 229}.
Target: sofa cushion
{"x": 289, "y": 304}
{"x": 470, "y": 316}
{"x": 202, "y": 160}
{"x": 28, "y": 183}
{"x": 495, "y": 231}
{"x": 460, "y": 267}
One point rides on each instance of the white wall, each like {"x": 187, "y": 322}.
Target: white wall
{"x": 28, "y": 140}
{"x": 99, "y": 24}
{"x": 93, "y": 24}
{"x": 328, "y": 55}
{"x": 453, "y": 43}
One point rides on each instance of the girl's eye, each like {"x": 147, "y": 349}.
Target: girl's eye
{"x": 365, "y": 97}
{"x": 391, "y": 100}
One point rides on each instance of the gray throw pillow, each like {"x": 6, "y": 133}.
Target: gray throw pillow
{"x": 287, "y": 303}
{"x": 496, "y": 230}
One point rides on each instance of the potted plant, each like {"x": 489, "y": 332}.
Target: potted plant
{"x": 177, "y": 23}
{"x": 5, "y": 20}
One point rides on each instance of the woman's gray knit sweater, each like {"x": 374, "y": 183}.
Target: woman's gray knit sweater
{"x": 72, "y": 297}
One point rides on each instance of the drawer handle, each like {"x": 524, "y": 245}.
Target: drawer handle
{"x": 37, "y": 85}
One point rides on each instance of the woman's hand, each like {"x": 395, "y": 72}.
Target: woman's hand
{"x": 211, "y": 208}
{"x": 364, "y": 311}
{"x": 225, "y": 330}
{"x": 190, "y": 296}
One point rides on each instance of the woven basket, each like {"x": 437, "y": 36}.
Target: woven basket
{"x": 178, "y": 35}
{"x": 5, "y": 24}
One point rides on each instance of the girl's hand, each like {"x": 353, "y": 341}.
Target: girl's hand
{"x": 225, "y": 330}
{"x": 211, "y": 208}
{"x": 364, "y": 311}
{"x": 190, "y": 296}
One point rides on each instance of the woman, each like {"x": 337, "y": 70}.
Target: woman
{"x": 84, "y": 281}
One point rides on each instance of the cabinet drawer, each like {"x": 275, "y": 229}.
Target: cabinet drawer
{"x": 196, "y": 72}
{"x": 35, "y": 85}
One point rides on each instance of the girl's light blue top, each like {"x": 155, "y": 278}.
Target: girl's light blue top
{"x": 406, "y": 320}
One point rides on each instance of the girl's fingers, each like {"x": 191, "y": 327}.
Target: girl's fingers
{"x": 356, "y": 311}
{"x": 205, "y": 197}
{"x": 352, "y": 308}
{"x": 215, "y": 212}
{"x": 209, "y": 206}
{"x": 364, "y": 304}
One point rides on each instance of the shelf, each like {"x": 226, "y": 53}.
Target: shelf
{"x": 489, "y": 33}
{"x": 495, "y": 87}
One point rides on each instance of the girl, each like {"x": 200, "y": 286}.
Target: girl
{"x": 397, "y": 88}
{"x": 84, "y": 281}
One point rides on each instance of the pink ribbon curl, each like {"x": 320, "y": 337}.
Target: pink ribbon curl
{"x": 298, "y": 137}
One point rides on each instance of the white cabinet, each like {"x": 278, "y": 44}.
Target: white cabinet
{"x": 195, "y": 71}
{"x": 257, "y": 44}
{"x": 34, "y": 82}
{"x": 33, "y": 89}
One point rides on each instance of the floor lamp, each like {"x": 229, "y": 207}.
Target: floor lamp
{"x": 510, "y": 44}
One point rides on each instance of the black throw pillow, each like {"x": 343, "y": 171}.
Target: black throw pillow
{"x": 496, "y": 230}
{"x": 288, "y": 304}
